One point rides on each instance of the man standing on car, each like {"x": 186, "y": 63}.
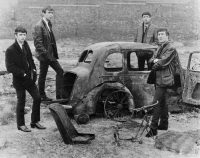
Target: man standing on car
{"x": 146, "y": 33}
{"x": 19, "y": 62}
{"x": 46, "y": 53}
{"x": 166, "y": 65}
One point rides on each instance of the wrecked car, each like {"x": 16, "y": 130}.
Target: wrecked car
{"x": 107, "y": 80}
{"x": 107, "y": 77}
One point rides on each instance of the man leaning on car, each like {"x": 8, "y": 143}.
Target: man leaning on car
{"x": 46, "y": 53}
{"x": 166, "y": 65}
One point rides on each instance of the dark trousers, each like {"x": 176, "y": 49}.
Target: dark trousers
{"x": 21, "y": 97}
{"x": 160, "y": 112}
{"x": 142, "y": 59}
{"x": 44, "y": 65}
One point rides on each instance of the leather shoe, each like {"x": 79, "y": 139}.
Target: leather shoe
{"x": 45, "y": 98}
{"x": 24, "y": 128}
{"x": 151, "y": 133}
{"x": 37, "y": 125}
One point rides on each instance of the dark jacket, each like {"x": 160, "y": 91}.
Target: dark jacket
{"x": 18, "y": 64}
{"x": 167, "y": 66}
{"x": 150, "y": 36}
{"x": 44, "y": 42}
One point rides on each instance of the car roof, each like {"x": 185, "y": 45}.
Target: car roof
{"x": 122, "y": 45}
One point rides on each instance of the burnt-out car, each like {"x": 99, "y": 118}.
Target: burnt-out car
{"x": 107, "y": 79}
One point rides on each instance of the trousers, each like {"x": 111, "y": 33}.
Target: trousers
{"x": 141, "y": 60}
{"x": 44, "y": 65}
{"x": 21, "y": 97}
{"x": 160, "y": 112}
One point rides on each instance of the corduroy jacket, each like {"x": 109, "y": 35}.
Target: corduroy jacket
{"x": 167, "y": 66}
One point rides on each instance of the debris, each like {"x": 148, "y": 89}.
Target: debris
{"x": 179, "y": 142}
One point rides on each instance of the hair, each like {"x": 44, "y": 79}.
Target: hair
{"x": 163, "y": 30}
{"x": 20, "y": 29}
{"x": 146, "y": 13}
{"x": 49, "y": 8}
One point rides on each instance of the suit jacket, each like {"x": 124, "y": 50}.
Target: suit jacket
{"x": 151, "y": 34}
{"x": 44, "y": 42}
{"x": 19, "y": 64}
{"x": 167, "y": 66}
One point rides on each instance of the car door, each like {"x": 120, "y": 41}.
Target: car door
{"x": 136, "y": 80}
{"x": 191, "y": 90}
{"x": 113, "y": 66}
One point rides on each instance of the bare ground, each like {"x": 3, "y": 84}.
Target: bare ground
{"x": 48, "y": 143}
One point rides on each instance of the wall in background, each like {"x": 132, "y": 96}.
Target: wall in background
{"x": 104, "y": 19}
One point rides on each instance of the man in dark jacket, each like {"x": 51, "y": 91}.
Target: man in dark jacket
{"x": 165, "y": 64}
{"x": 46, "y": 53}
{"x": 145, "y": 33}
{"x": 20, "y": 63}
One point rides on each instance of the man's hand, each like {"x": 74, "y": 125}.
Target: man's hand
{"x": 156, "y": 66}
{"x": 155, "y": 60}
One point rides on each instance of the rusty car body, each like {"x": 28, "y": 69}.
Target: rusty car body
{"x": 108, "y": 67}
{"x": 103, "y": 68}
{"x": 191, "y": 87}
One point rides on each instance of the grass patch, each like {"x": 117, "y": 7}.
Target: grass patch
{"x": 6, "y": 118}
{"x": 8, "y": 109}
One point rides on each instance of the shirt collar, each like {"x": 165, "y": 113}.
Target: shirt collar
{"x": 46, "y": 22}
{"x": 163, "y": 44}
{"x": 146, "y": 25}
{"x": 20, "y": 44}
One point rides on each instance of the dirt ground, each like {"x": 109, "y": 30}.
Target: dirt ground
{"x": 48, "y": 143}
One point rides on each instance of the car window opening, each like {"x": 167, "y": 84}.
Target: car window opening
{"x": 132, "y": 61}
{"x": 195, "y": 65}
{"x": 113, "y": 62}
{"x": 86, "y": 56}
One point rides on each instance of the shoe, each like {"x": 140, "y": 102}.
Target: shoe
{"x": 45, "y": 98}
{"x": 24, "y": 128}
{"x": 37, "y": 125}
{"x": 162, "y": 127}
{"x": 151, "y": 133}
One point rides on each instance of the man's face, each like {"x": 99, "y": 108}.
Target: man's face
{"x": 162, "y": 37}
{"x": 146, "y": 19}
{"x": 20, "y": 37}
{"x": 48, "y": 14}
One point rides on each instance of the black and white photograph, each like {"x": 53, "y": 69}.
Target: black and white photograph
{"x": 100, "y": 78}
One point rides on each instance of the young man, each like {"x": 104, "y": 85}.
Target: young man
{"x": 166, "y": 65}
{"x": 46, "y": 53}
{"x": 146, "y": 33}
{"x": 20, "y": 63}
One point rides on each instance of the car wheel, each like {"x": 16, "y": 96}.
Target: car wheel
{"x": 117, "y": 104}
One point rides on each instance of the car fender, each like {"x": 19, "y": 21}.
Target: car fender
{"x": 88, "y": 103}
